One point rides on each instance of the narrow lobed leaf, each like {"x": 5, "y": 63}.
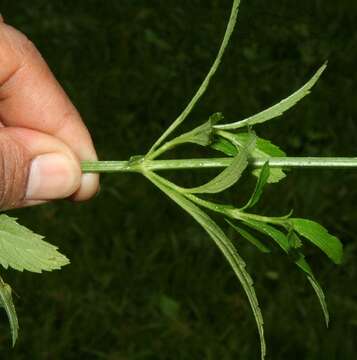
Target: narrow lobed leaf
{"x": 305, "y": 267}
{"x": 248, "y": 236}
{"x": 202, "y": 89}
{"x": 223, "y": 243}
{"x": 321, "y": 296}
{"x": 278, "y": 109}
{"x": 262, "y": 181}
{"x": 278, "y": 236}
{"x": 229, "y": 176}
{"x": 264, "y": 150}
{"x": 300, "y": 260}
{"x": 319, "y": 236}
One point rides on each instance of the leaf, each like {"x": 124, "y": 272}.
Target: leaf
{"x": 277, "y": 235}
{"x": 319, "y": 236}
{"x": 22, "y": 249}
{"x": 294, "y": 241}
{"x": 229, "y": 176}
{"x": 321, "y": 296}
{"x": 248, "y": 236}
{"x": 7, "y": 303}
{"x": 202, "y": 89}
{"x": 223, "y": 243}
{"x": 304, "y": 266}
{"x": 201, "y": 135}
{"x": 264, "y": 150}
{"x": 225, "y": 146}
{"x": 278, "y": 109}
{"x": 276, "y": 175}
{"x": 300, "y": 261}
{"x": 262, "y": 180}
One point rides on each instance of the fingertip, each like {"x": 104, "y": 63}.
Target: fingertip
{"x": 52, "y": 176}
{"x": 89, "y": 187}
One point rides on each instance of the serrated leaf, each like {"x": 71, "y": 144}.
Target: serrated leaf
{"x": 319, "y": 236}
{"x": 229, "y": 176}
{"x": 263, "y": 147}
{"x": 264, "y": 150}
{"x": 262, "y": 181}
{"x": 300, "y": 260}
{"x": 203, "y": 87}
{"x": 304, "y": 266}
{"x": 248, "y": 236}
{"x": 223, "y": 243}
{"x": 278, "y": 109}
{"x": 277, "y": 235}
{"x": 276, "y": 175}
{"x": 22, "y": 249}
{"x": 321, "y": 296}
{"x": 7, "y": 303}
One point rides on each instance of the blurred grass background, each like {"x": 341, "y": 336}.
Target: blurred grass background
{"x": 145, "y": 281}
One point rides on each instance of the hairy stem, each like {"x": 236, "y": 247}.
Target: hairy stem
{"x": 208, "y": 163}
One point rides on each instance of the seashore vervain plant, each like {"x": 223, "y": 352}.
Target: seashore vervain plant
{"x": 21, "y": 249}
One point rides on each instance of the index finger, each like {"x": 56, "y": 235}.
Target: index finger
{"x": 31, "y": 97}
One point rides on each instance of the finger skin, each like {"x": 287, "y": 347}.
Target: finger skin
{"x": 19, "y": 148}
{"x": 14, "y": 167}
{"x": 30, "y": 97}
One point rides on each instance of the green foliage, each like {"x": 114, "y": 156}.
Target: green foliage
{"x": 279, "y": 108}
{"x": 289, "y": 242}
{"x": 251, "y": 238}
{"x": 319, "y": 236}
{"x": 230, "y": 175}
{"x": 202, "y": 135}
{"x": 223, "y": 243}
{"x": 259, "y": 187}
{"x": 264, "y": 150}
{"x": 243, "y": 147}
{"x": 22, "y": 249}
{"x": 202, "y": 89}
{"x": 7, "y": 303}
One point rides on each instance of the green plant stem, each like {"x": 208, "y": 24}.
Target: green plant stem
{"x": 208, "y": 163}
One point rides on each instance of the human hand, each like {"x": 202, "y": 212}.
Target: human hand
{"x": 42, "y": 136}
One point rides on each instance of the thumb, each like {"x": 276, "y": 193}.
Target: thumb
{"x": 35, "y": 167}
